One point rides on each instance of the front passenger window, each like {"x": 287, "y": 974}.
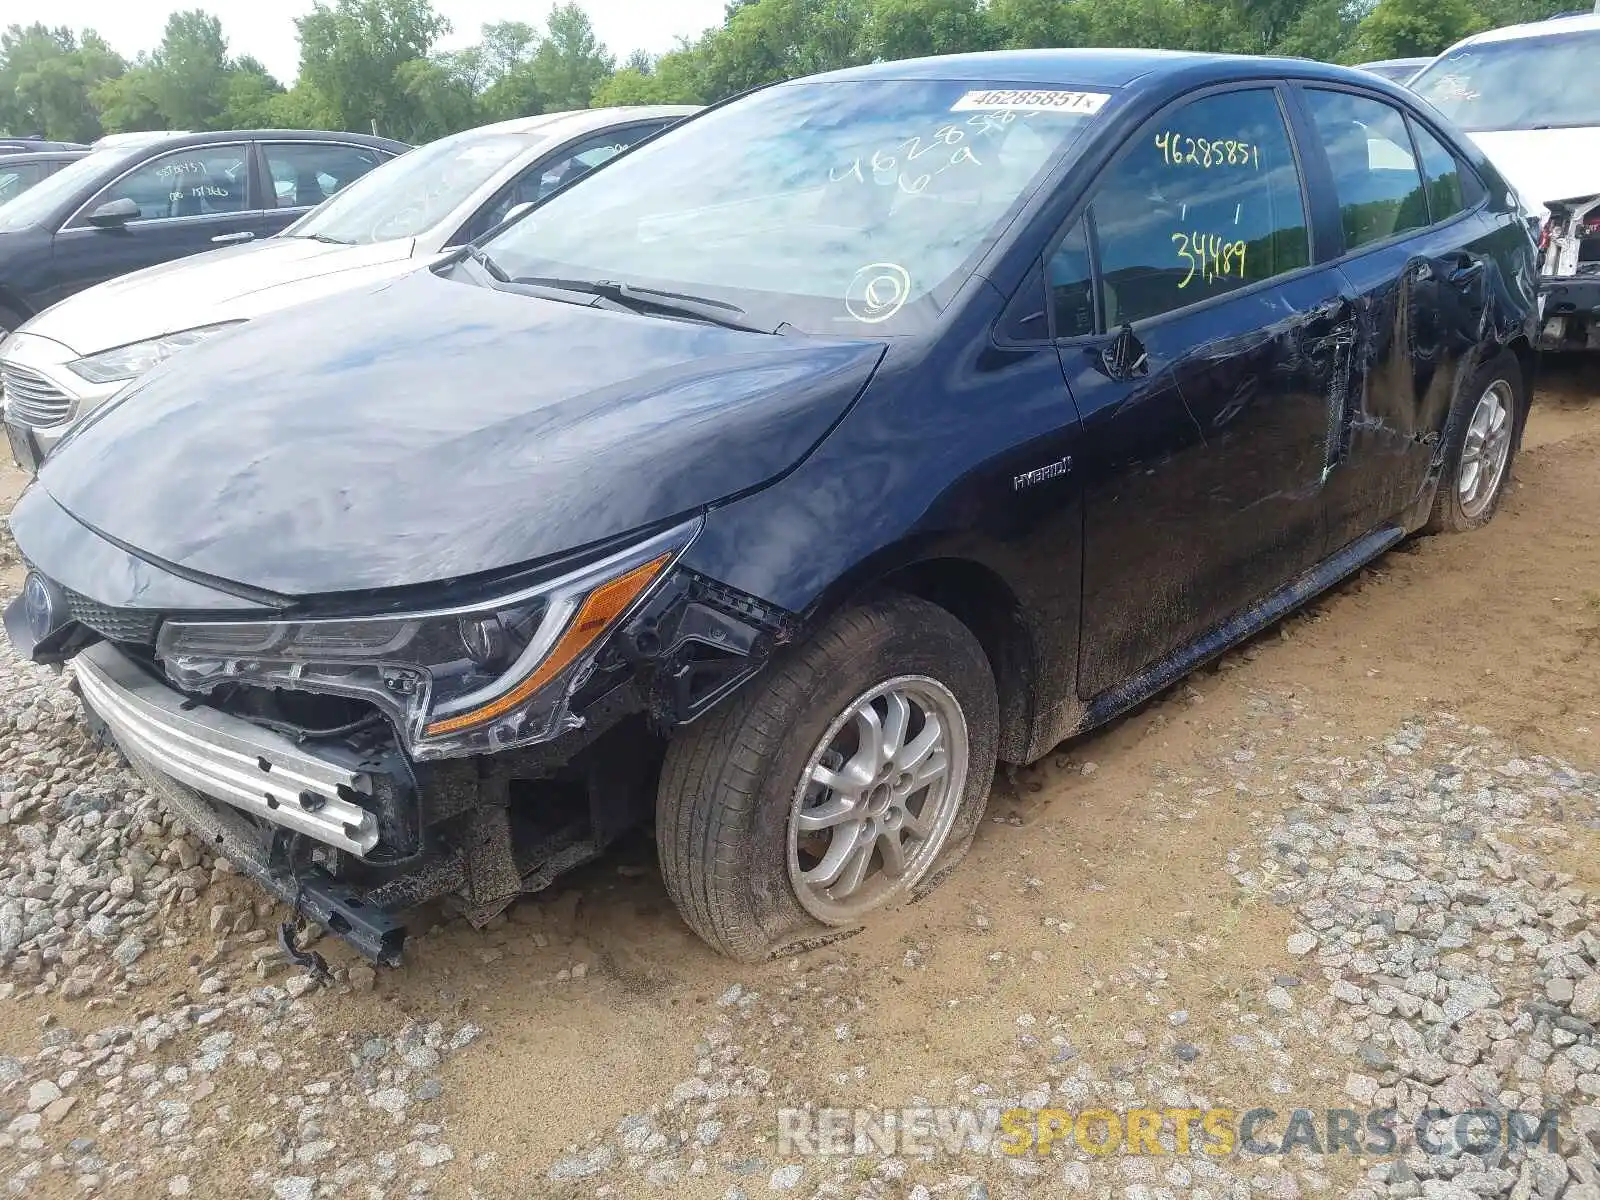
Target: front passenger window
{"x": 1375, "y": 175}
{"x": 199, "y": 181}
{"x": 1207, "y": 202}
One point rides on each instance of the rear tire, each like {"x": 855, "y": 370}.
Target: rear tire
{"x": 736, "y": 851}
{"x": 1480, "y": 443}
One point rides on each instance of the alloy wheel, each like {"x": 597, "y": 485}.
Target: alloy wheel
{"x": 1486, "y": 451}
{"x": 877, "y": 799}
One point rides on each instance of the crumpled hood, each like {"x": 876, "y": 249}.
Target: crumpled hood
{"x": 432, "y": 429}
{"x": 235, "y": 283}
{"x": 1546, "y": 164}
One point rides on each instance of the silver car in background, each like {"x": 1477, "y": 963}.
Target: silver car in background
{"x": 69, "y": 359}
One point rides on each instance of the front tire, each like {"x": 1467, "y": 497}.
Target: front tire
{"x": 847, "y": 778}
{"x": 1480, "y": 442}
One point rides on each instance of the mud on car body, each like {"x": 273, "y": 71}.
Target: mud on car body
{"x": 778, "y": 481}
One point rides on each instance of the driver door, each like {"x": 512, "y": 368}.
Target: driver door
{"x": 190, "y": 200}
{"x": 1202, "y": 354}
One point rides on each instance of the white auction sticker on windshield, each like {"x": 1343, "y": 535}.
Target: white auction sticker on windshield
{"x": 1048, "y": 100}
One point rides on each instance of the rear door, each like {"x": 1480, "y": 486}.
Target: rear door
{"x": 301, "y": 175}
{"x": 1416, "y": 248}
{"x": 190, "y": 200}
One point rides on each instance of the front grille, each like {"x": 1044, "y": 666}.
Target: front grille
{"x": 133, "y": 626}
{"x": 31, "y": 399}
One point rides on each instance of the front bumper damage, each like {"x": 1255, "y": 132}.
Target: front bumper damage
{"x": 352, "y": 833}
{"x": 1569, "y": 276}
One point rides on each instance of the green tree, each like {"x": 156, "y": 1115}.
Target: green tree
{"x": 189, "y": 71}
{"x": 47, "y": 79}
{"x": 1402, "y": 28}
{"x": 915, "y": 28}
{"x": 351, "y": 55}
{"x": 770, "y": 40}
{"x": 442, "y": 94}
{"x": 1031, "y": 24}
{"x": 252, "y": 96}
{"x": 509, "y": 87}
{"x": 570, "y": 62}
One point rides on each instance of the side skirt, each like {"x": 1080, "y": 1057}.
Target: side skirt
{"x": 1117, "y": 700}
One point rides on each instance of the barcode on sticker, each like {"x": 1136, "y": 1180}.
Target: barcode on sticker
{"x": 1051, "y": 100}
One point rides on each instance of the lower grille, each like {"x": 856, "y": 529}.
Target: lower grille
{"x": 135, "y": 626}
{"x": 31, "y": 399}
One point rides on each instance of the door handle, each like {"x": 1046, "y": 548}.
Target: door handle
{"x": 1466, "y": 273}
{"x": 244, "y": 235}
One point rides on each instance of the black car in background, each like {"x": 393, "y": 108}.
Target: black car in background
{"x": 19, "y": 172}
{"x": 147, "y": 200}
{"x": 784, "y": 476}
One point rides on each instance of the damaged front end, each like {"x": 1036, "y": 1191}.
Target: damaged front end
{"x": 1569, "y": 276}
{"x": 356, "y": 767}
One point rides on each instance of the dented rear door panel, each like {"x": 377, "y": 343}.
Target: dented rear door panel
{"x": 1423, "y": 309}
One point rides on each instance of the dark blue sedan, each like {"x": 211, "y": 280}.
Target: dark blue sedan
{"x": 779, "y": 480}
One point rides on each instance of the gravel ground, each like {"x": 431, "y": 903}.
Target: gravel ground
{"x": 1256, "y": 893}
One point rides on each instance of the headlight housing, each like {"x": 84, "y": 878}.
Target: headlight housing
{"x": 133, "y": 360}
{"x": 469, "y": 680}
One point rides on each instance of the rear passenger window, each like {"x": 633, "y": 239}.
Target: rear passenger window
{"x": 1207, "y": 202}
{"x": 304, "y": 174}
{"x": 1452, "y": 187}
{"x": 1375, "y": 175}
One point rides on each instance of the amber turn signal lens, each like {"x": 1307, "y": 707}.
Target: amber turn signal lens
{"x": 599, "y": 609}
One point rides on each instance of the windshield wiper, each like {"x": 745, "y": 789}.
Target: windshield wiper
{"x": 320, "y": 237}
{"x": 653, "y": 300}
{"x": 481, "y": 257}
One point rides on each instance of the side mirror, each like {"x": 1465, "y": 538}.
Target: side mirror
{"x": 516, "y": 211}
{"x": 114, "y": 213}
{"x": 1124, "y": 356}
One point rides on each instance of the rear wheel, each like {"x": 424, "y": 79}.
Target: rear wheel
{"x": 1480, "y": 443}
{"x": 845, "y": 780}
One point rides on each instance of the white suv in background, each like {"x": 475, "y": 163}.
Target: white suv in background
{"x": 1529, "y": 95}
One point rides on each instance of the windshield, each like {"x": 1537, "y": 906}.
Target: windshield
{"x": 841, "y": 207}
{"x": 38, "y": 202}
{"x": 409, "y": 195}
{"x": 1530, "y": 83}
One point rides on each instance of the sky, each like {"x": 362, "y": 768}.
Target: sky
{"x": 265, "y": 28}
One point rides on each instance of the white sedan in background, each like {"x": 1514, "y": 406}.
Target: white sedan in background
{"x": 70, "y": 358}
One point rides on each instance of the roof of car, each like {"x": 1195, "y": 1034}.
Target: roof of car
{"x": 42, "y": 156}
{"x": 1577, "y": 23}
{"x": 1396, "y": 62}
{"x": 10, "y": 146}
{"x": 1087, "y": 67}
{"x": 582, "y": 120}
{"x": 179, "y": 140}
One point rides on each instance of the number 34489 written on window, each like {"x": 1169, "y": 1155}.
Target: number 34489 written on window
{"x": 1209, "y": 257}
